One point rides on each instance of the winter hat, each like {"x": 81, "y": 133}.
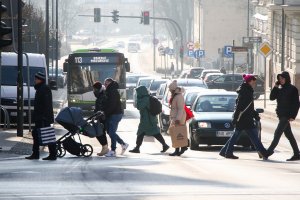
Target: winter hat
{"x": 173, "y": 85}
{"x": 40, "y": 75}
{"x": 248, "y": 77}
{"x": 285, "y": 75}
{"x": 97, "y": 85}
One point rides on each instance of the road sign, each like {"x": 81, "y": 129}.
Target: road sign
{"x": 239, "y": 49}
{"x": 252, "y": 40}
{"x": 197, "y": 45}
{"x": 228, "y": 52}
{"x": 171, "y": 52}
{"x": 190, "y": 53}
{"x": 190, "y": 45}
{"x": 199, "y": 54}
{"x": 265, "y": 49}
{"x": 167, "y": 49}
{"x": 161, "y": 48}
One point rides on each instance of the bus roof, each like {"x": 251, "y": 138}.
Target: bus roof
{"x": 95, "y": 50}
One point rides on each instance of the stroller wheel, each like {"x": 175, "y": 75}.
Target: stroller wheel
{"x": 61, "y": 152}
{"x": 87, "y": 150}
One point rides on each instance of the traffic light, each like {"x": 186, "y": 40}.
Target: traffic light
{"x": 181, "y": 52}
{"x": 4, "y": 30}
{"x": 115, "y": 17}
{"x": 146, "y": 17}
{"x": 97, "y": 15}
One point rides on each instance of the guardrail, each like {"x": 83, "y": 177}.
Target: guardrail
{"x": 6, "y": 121}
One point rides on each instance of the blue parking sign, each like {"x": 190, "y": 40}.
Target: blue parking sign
{"x": 199, "y": 54}
{"x": 190, "y": 53}
{"x": 228, "y": 51}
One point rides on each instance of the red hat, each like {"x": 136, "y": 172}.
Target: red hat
{"x": 248, "y": 77}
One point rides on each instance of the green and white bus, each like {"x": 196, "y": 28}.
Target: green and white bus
{"x": 85, "y": 66}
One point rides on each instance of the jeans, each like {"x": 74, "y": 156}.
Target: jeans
{"x": 140, "y": 138}
{"x": 227, "y": 150}
{"x": 112, "y": 126}
{"x": 284, "y": 126}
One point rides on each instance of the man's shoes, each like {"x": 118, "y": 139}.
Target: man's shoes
{"x": 124, "y": 148}
{"x": 231, "y": 157}
{"x": 50, "y": 158}
{"x": 183, "y": 149}
{"x": 110, "y": 154}
{"x": 135, "y": 150}
{"x": 294, "y": 158}
{"x": 33, "y": 157}
{"x": 176, "y": 153}
{"x": 104, "y": 151}
{"x": 165, "y": 148}
{"x": 222, "y": 154}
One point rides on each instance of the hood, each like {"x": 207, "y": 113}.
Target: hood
{"x": 244, "y": 86}
{"x": 285, "y": 75}
{"x": 179, "y": 90}
{"x": 142, "y": 91}
{"x": 113, "y": 85}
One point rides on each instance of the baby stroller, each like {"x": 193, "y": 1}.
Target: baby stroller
{"x": 72, "y": 120}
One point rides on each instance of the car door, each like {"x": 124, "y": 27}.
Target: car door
{"x": 229, "y": 83}
{"x": 217, "y": 83}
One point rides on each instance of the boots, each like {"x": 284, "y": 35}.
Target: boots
{"x": 33, "y": 156}
{"x": 52, "y": 152}
{"x": 183, "y": 149}
{"x": 165, "y": 148}
{"x": 176, "y": 152}
{"x": 135, "y": 150}
{"x": 104, "y": 151}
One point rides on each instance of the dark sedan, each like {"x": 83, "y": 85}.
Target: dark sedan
{"x": 212, "y": 125}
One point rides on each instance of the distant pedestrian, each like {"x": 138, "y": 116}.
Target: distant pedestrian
{"x": 287, "y": 97}
{"x": 148, "y": 123}
{"x": 243, "y": 119}
{"x": 177, "y": 114}
{"x": 114, "y": 112}
{"x": 99, "y": 92}
{"x": 223, "y": 70}
{"x": 172, "y": 70}
{"x": 42, "y": 116}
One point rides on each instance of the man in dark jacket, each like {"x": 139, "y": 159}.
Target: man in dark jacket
{"x": 114, "y": 112}
{"x": 42, "y": 116}
{"x": 287, "y": 97}
{"x": 99, "y": 92}
{"x": 243, "y": 119}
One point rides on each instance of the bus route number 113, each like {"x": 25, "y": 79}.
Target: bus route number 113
{"x": 78, "y": 59}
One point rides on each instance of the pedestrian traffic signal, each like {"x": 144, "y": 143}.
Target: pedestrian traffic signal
{"x": 115, "y": 17}
{"x": 97, "y": 15}
{"x": 142, "y": 18}
{"x": 4, "y": 29}
{"x": 146, "y": 17}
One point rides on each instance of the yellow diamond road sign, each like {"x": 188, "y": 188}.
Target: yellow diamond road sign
{"x": 265, "y": 49}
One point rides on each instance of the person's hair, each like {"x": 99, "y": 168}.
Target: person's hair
{"x": 109, "y": 80}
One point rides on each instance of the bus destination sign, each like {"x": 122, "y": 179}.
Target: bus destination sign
{"x": 95, "y": 59}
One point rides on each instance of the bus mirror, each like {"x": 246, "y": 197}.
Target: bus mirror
{"x": 127, "y": 66}
{"x": 65, "y": 67}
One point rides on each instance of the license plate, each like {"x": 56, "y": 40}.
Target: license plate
{"x": 225, "y": 133}
{"x": 14, "y": 114}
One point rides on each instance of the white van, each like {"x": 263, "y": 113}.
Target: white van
{"x": 9, "y": 73}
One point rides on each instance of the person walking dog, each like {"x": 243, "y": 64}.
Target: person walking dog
{"x": 42, "y": 116}
{"x": 287, "y": 97}
{"x": 148, "y": 123}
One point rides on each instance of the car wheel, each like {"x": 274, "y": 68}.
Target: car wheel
{"x": 193, "y": 144}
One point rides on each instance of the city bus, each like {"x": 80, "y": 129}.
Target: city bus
{"x": 85, "y": 66}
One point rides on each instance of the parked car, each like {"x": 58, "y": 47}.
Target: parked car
{"x": 131, "y": 81}
{"x": 145, "y": 81}
{"x": 61, "y": 77}
{"x": 165, "y": 98}
{"x": 155, "y": 84}
{"x": 206, "y": 71}
{"x": 194, "y": 72}
{"x": 213, "y": 110}
{"x": 231, "y": 82}
{"x": 134, "y": 47}
{"x": 211, "y": 76}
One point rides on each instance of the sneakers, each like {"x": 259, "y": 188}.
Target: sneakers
{"x": 294, "y": 158}
{"x": 124, "y": 148}
{"x": 110, "y": 154}
{"x": 104, "y": 151}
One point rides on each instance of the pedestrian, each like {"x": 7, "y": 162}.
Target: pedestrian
{"x": 287, "y": 97}
{"x": 223, "y": 70}
{"x": 148, "y": 123}
{"x": 177, "y": 113}
{"x": 172, "y": 69}
{"x": 114, "y": 112}
{"x": 243, "y": 119}
{"x": 99, "y": 92}
{"x": 42, "y": 116}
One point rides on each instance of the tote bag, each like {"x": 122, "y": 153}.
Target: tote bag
{"x": 46, "y": 136}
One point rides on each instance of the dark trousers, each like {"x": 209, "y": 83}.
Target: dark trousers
{"x": 36, "y": 145}
{"x": 284, "y": 126}
{"x": 102, "y": 139}
{"x": 140, "y": 138}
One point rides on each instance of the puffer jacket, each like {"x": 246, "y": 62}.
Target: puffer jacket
{"x": 113, "y": 105}
{"x": 287, "y": 97}
{"x": 177, "y": 107}
{"x": 100, "y": 100}
{"x": 245, "y": 97}
{"x": 148, "y": 123}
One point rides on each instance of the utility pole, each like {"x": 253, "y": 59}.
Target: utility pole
{"x": 47, "y": 36}
{"x": 56, "y": 41}
{"x": 154, "y": 38}
{"x": 283, "y": 36}
{"x": 20, "y": 113}
{"x": 248, "y": 34}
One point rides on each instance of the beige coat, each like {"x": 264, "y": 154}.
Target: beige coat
{"x": 177, "y": 108}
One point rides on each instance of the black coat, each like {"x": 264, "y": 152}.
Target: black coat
{"x": 43, "y": 108}
{"x": 287, "y": 97}
{"x": 100, "y": 101}
{"x": 245, "y": 97}
{"x": 113, "y": 104}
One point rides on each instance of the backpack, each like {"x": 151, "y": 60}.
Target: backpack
{"x": 189, "y": 113}
{"x": 155, "y": 106}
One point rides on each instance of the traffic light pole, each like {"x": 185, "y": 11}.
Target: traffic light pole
{"x": 20, "y": 113}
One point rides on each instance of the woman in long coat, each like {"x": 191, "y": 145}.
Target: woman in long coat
{"x": 177, "y": 114}
{"x": 148, "y": 123}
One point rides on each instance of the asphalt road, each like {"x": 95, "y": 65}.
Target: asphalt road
{"x": 151, "y": 175}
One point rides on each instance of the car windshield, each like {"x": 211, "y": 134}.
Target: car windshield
{"x": 155, "y": 85}
{"x": 215, "y": 103}
{"x": 190, "y": 98}
{"x": 145, "y": 83}
{"x": 132, "y": 79}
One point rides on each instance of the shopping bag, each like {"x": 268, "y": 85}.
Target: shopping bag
{"x": 178, "y": 135}
{"x": 46, "y": 136}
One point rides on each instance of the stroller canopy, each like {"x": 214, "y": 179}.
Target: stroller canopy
{"x": 71, "y": 118}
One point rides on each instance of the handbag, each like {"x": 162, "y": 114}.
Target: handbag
{"x": 242, "y": 112}
{"x": 46, "y": 136}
